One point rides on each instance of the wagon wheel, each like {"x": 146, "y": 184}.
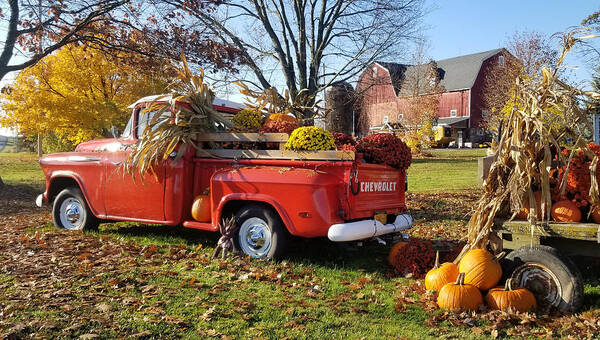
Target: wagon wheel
{"x": 551, "y": 276}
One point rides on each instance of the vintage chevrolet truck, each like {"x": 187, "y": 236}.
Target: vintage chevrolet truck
{"x": 271, "y": 193}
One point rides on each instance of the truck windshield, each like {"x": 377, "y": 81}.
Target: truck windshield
{"x": 127, "y": 132}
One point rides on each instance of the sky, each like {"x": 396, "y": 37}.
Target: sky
{"x": 459, "y": 27}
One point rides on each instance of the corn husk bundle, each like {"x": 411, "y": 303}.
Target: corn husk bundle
{"x": 304, "y": 107}
{"x": 544, "y": 112}
{"x": 174, "y": 127}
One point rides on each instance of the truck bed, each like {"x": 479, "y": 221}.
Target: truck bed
{"x": 573, "y": 238}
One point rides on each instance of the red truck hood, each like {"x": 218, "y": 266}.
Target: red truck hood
{"x": 98, "y": 145}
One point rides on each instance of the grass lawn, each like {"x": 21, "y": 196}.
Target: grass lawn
{"x": 144, "y": 281}
{"x": 21, "y": 169}
{"x": 449, "y": 170}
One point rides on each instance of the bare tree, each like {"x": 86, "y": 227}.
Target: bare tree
{"x": 56, "y": 22}
{"x": 312, "y": 43}
{"x": 590, "y": 49}
{"x": 422, "y": 92}
{"x": 528, "y": 52}
{"x": 340, "y": 100}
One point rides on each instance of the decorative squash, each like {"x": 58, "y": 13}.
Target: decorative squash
{"x": 437, "y": 277}
{"x": 458, "y": 296}
{"x": 394, "y": 252}
{"x": 201, "y": 208}
{"x": 517, "y": 298}
{"x": 566, "y": 211}
{"x": 596, "y": 214}
{"x": 481, "y": 268}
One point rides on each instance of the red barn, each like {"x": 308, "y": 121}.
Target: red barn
{"x": 461, "y": 107}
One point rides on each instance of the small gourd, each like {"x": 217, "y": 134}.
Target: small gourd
{"x": 481, "y": 268}
{"x": 437, "y": 277}
{"x": 509, "y": 297}
{"x": 393, "y": 255}
{"x": 458, "y": 296}
{"x": 201, "y": 208}
{"x": 566, "y": 211}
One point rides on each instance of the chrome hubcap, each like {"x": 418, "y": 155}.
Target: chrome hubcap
{"x": 70, "y": 214}
{"x": 540, "y": 281}
{"x": 255, "y": 237}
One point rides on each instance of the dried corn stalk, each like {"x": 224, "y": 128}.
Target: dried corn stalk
{"x": 304, "y": 107}
{"x": 174, "y": 126}
{"x": 544, "y": 112}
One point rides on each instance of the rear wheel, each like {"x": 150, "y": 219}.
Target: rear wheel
{"x": 261, "y": 233}
{"x": 70, "y": 211}
{"x": 551, "y": 276}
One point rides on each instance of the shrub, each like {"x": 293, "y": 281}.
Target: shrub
{"x": 384, "y": 148}
{"x": 342, "y": 138}
{"x": 310, "y": 138}
{"x": 247, "y": 121}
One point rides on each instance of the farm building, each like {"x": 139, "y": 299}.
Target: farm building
{"x": 460, "y": 111}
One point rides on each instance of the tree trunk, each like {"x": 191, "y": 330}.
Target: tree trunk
{"x": 39, "y": 145}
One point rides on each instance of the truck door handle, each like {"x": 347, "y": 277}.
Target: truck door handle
{"x": 116, "y": 163}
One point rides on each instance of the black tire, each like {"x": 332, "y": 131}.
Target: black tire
{"x": 260, "y": 234}
{"x": 71, "y": 211}
{"x": 551, "y": 276}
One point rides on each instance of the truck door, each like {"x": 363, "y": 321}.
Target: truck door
{"x": 141, "y": 197}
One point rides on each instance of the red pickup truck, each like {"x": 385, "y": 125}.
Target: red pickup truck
{"x": 271, "y": 197}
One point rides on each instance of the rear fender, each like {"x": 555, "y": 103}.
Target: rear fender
{"x": 248, "y": 199}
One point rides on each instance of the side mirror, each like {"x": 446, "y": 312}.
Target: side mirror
{"x": 114, "y": 131}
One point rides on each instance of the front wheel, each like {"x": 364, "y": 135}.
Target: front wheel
{"x": 70, "y": 211}
{"x": 261, "y": 233}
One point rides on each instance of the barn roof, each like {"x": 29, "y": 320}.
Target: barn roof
{"x": 458, "y": 73}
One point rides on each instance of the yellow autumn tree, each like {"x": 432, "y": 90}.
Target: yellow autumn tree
{"x": 76, "y": 94}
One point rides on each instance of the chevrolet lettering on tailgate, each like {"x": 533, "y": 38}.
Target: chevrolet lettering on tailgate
{"x": 377, "y": 186}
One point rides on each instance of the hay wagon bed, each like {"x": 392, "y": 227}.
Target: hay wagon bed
{"x": 541, "y": 258}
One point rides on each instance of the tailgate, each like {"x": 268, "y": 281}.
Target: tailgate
{"x": 380, "y": 189}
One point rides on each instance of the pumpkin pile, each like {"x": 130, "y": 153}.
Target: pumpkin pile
{"x": 460, "y": 287}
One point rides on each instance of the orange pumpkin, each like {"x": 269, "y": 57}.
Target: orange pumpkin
{"x": 566, "y": 211}
{"x": 458, "y": 296}
{"x": 437, "y": 277}
{"x": 524, "y": 213}
{"x": 596, "y": 214}
{"x": 393, "y": 255}
{"x": 279, "y": 117}
{"x": 481, "y": 268}
{"x": 509, "y": 297}
{"x": 201, "y": 208}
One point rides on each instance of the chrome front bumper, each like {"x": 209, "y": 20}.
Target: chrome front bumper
{"x": 366, "y": 229}
{"x": 39, "y": 201}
